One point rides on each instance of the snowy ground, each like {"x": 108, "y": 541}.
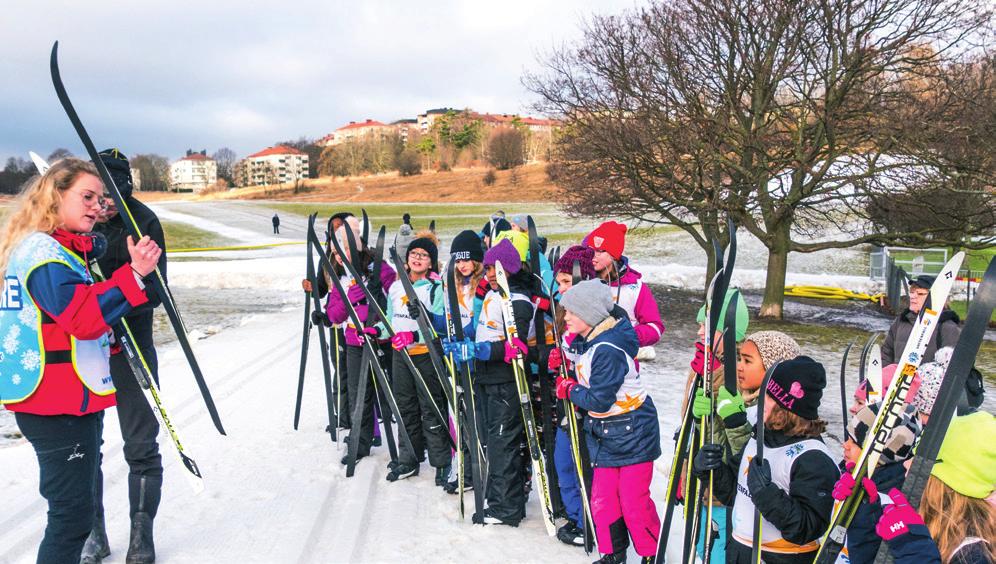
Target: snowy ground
{"x": 278, "y": 495}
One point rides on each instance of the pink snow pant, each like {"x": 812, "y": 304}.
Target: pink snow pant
{"x": 624, "y": 492}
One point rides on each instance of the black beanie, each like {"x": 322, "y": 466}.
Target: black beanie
{"x": 500, "y": 224}
{"x": 797, "y": 385}
{"x": 117, "y": 164}
{"x": 427, "y": 245}
{"x": 467, "y": 246}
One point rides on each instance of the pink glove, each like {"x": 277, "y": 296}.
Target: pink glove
{"x": 556, "y": 360}
{"x": 845, "y": 486}
{"x": 372, "y": 331}
{"x": 698, "y": 363}
{"x": 402, "y": 339}
{"x": 355, "y": 294}
{"x": 514, "y": 348}
{"x": 897, "y": 518}
{"x": 564, "y": 387}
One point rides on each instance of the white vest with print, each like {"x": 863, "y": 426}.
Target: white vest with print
{"x": 491, "y": 324}
{"x": 630, "y": 395}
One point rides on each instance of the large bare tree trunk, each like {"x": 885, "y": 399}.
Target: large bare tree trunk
{"x": 774, "y": 285}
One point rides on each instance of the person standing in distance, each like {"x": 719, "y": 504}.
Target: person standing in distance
{"x": 276, "y": 224}
{"x": 139, "y": 427}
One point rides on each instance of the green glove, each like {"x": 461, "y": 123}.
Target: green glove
{"x": 729, "y": 404}
{"x": 701, "y": 405}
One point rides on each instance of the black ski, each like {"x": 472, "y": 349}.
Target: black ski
{"x": 950, "y": 392}
{"x": 548, "y": 427}
{"x": 322, "y": 342}
{"x": 157, "y": 281}
{"x": 465, "y": 391}
{"x": 759, "y": 434}
{"x": 306, "y": 335}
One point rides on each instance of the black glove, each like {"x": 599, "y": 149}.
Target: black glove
{"x": 758, "y": 476}
{"x": 320, "y": 319}
{"x": 413, "y": 309}
{"x": 709, "y": 457}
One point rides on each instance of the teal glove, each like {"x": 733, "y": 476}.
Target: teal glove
{"x": 731, "y": 407}
{"x": 702, "y": 404}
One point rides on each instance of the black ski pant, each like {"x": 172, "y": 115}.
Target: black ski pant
{"x": 506, "y": 491}
{"x": 67, "y": 447}
{"x": 139, "y": 431}
{"x": 340, "y": 389}
{"x": 421, "y": 419}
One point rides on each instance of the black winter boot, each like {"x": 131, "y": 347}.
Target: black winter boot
{"x": 96, "y": 547}
{"x": 614, "y": 558}
{"x": 402, "y": 471}
{"x": 141, "y": 548}
{"x": 442, "y": 476}
{"x": 571, "y": 534}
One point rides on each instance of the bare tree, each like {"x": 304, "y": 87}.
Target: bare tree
{"x": 225, "y": 159}
{"x": 154, "y": 170}
{"x": 506, "y": 148}
{"x": 777, "y": 113}
{"x": 59, "y": 153}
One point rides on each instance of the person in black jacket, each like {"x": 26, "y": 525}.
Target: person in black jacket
{"x": 495, "y": 380}
{"x": 792, "y": 486}
{"x": 139, "y": 427}
{"x": 945, "y": 335}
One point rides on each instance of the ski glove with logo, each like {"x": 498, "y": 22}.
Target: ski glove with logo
{"x": 413, "y": 309}
{"x": 513, "y": 348}
{"x": 564, "y": 387}
{"x": 402, "y": 339}
{"x": 845, "y": 486}
{"x": 355, "y": 294}
{"x": 731, "y": 408}
{"x": 482, "y": 351}
{"x": 897, "y": 518}
{"x": 709, "y": 457}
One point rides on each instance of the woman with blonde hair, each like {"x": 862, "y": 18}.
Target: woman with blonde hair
{"x": 54, "y": 326}
{"x": 956, "y": 523}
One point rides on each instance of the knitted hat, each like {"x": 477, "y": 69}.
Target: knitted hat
{"x": 427, "y": 245}
{"x": 966, "y": 461}
{"x": 117, "y": 164}
{"x": 609, "y": 237}
{"x": 743, "y": 318}
{"x": 930, "y": 376}
{"x": 583, "y": 256}
{"x": 797, "y": 385}
{"x": 899, "y": 445}
{"x": 520, "y": 221}
{"x": 500, "y": 224}
{"x": 518, "y": 239}
{"x": 506, "y": 254}
{"x": 774, "y": 346}
{"x": 888, "y": 373}
{"x": 404, "y": 238}
{"x": 467, "y": 246}
{"x": 590, "y": 300}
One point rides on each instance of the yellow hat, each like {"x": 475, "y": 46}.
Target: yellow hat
{"x": 518, "y": 239}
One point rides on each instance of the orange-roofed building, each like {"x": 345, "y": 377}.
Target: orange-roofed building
{"x": 356, "y": 130}
{"x": 273, "y": 165}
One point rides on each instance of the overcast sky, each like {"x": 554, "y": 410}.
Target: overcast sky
{"x": 166, "y": 76}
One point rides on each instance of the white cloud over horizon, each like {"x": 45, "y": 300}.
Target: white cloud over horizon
{"x": 161, "y": 77}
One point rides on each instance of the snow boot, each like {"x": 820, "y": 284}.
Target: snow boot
{"x": 487, "y": 518}
{"x": 618, "y": 557}
{"x": 442, "y": 476}
{"x": 345, "y": 457}
{"x": 96, "y": 547}
{"x": 402, "y": 471}
{"x": 141, "y": 549}
{"x": 571, "y": 534}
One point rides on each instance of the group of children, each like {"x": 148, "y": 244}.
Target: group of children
{"x": 608, "y": 321}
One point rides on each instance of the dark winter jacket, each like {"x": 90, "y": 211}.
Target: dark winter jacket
{"x": 619, "y": 439}
{"x": 862, "y": 540}
{"x": 803, "y": 513}
{"x": 917, "y": 547}
{"x": 139, "y": 319}
{"x": 945, "y": 335}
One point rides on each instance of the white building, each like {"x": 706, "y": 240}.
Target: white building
{"x": 273, "y": 165}
{"x": 194, "y": 172}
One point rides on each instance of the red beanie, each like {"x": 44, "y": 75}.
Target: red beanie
{"x": 609, "y": 237}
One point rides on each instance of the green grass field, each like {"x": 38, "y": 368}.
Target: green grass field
{"x": 185, "y": 236}
{"x": 975, "y": 261}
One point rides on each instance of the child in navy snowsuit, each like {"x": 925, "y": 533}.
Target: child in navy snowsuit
{"x": 621, "y": 425}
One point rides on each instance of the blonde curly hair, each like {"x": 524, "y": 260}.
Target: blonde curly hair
{"x": 37, "y": 206}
